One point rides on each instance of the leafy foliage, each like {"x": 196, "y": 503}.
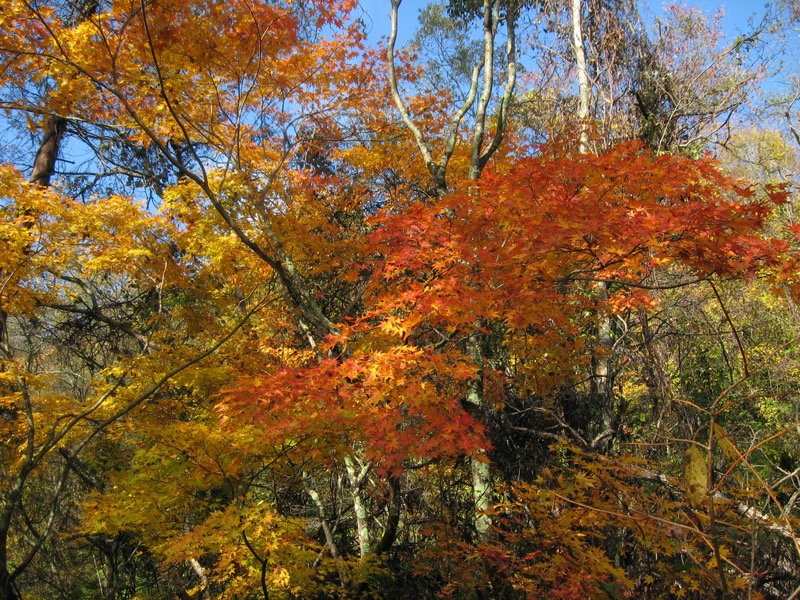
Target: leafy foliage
{"x": 290, "y": 359}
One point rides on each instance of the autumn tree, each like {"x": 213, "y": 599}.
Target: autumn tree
{"x": 308, "y": 324}
{"x": 96, "y": 72}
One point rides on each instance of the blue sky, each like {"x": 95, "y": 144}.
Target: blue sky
{"x": 735, "y": 21}
{"x": 736, "y": 12}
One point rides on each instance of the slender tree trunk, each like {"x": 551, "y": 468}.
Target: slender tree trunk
{"x": 356, "y": 477}
{"x": 601, "y": 364}
{"x": 584, "y": 88}
{"x": 482, "y": 484}
{"x": 392, "y": 516}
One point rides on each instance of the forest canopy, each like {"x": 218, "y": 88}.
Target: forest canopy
{"x": 501, "y": 304}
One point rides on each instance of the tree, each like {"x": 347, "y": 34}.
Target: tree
{"x": 317, "y": 350}
{"x": 96, "y": 73}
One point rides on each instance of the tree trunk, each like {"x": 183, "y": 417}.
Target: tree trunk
{"x": 584, "y": 89}
{"x": 356, "y": 477}
{"x": 44, "y": 165}
{"x": 600, "y": 364}
{"x": 392, "y": 516}
{"x": 482, "y": 485}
